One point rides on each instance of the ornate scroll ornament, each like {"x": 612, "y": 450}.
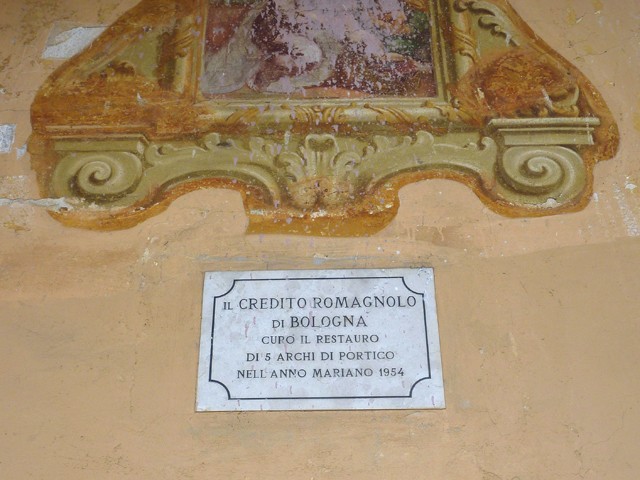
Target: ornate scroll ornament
{"x": 493, "y": 19}
{"x": 324, "y": 170}
{"x": 214, "y": 158}
{"x": 100, "y": 176}
{"x": 328, "y": 175}
{"x": 542, "y": 172}
{"x": 492, "y": 106}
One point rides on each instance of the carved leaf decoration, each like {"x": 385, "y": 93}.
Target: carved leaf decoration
{"x": 321, "y": 174}
{"x": 263, "y": 152}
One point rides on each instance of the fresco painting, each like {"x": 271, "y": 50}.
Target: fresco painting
{"x": 311, "y": 48}
{"x": 317, "y": 112}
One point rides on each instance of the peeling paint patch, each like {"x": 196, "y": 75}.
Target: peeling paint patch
{"x": 629, "y": 219}
{"x": 7, "y": 136}
{"x": 550, "y": 203}
{"x": 57, "y": 204}
{"x": 20, "y": 152}
{"x": 67, "y": 43}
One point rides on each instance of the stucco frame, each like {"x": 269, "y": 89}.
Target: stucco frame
{"x": 120, "y": 138}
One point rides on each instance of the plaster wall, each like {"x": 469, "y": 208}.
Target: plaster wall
{"x": 539, "y": 318}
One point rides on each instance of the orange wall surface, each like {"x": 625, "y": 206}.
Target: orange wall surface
{"x": 539, "y": 318}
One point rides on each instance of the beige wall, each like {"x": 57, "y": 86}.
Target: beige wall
{"x": 539, "y": 318}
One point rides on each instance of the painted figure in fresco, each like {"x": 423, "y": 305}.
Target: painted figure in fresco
{"x": 285, "y": 46}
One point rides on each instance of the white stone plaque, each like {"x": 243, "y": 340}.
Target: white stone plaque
{"x": 319, "y": 340}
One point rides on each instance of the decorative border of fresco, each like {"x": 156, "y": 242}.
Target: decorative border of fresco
{"x": 122, "y": 129}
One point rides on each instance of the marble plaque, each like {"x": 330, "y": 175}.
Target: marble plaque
{"x": 319, "y": 340}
